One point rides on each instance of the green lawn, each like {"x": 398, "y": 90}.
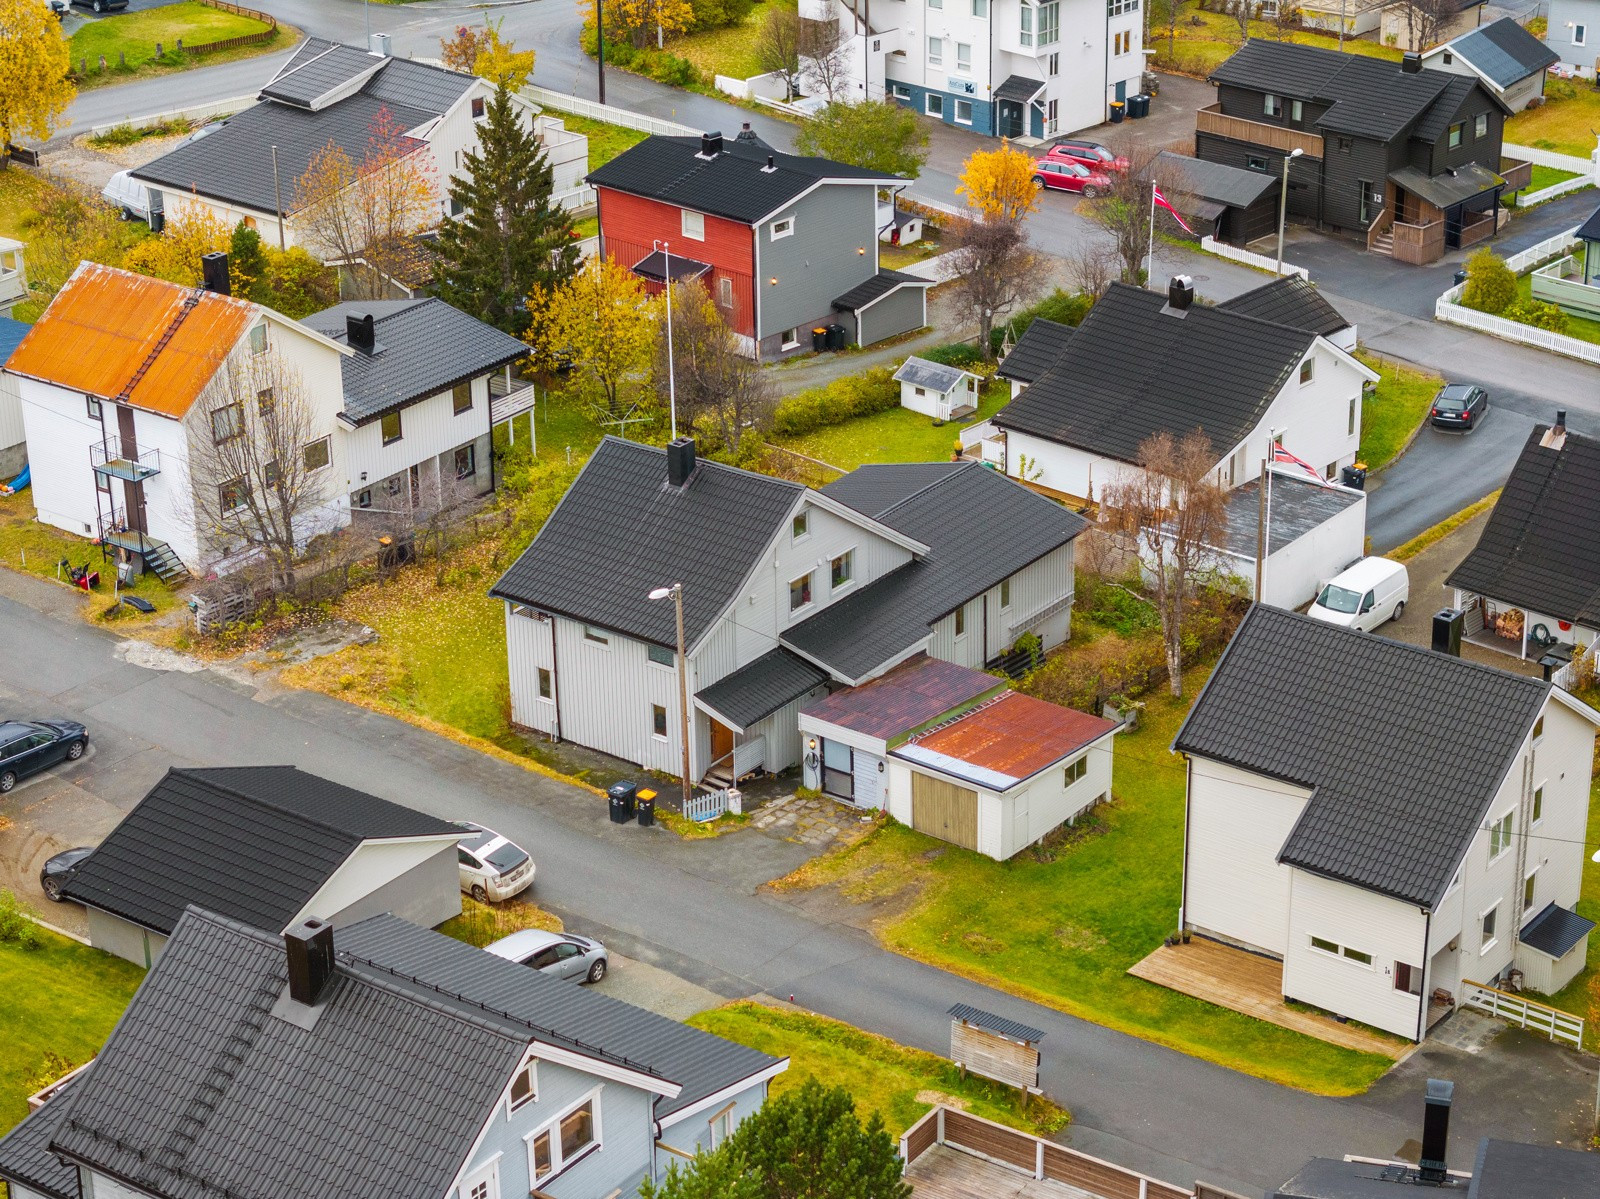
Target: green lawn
{"x": 1580, "y": 327}
{"x": 1391, "y": 412}
{"x": 20, "y": 193}
{"x": 728, "y": 51}
{"x": 884, "y": 1077}
{"x": 898, "y": 435}
{"x": 63, "y": 999}
{"x": 1563, "y": 123}
{"x": 1063, "y": 932}
{"x": 1542, "y": 177}
{"x": 605, "y": 141}
{"x": 1582, "y": 995}
{"x": 1205, "y": 39}
{"x": 135, "y": 34}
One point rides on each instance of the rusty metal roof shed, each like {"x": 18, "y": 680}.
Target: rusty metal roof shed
{"x": 1002, "y": 743}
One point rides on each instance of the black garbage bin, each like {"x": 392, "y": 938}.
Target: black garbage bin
{"x": 1119, "y": 109}
{"x": 819, "y": 338}
{"x": 836, "y": 337}
{"x": 1461, "y": 276}
{"x": 1139, "y": 106}
{"x": 1354, "y": 476}
{"x": 646, "y": 804}
{"x": 622, "y": 797}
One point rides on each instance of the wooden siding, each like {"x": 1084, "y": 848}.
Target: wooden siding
{"x": 529, "y": 646}
{"x": 994, "y": 1056}
{"x": 1282, "y": 138}
{"x": 944, "y": 810}
{"x": 1482, "y": 150}
{"x": 428, "y": 428}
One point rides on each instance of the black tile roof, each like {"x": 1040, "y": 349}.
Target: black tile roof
{"x": 1234, "y": 187}
{"x": 734, "y": 183}
{"x": 25, "y": 1157}
{"x": 424, "y": 347}
{"x": 621, "y": 531}
{"x": 1132, "y": 370}
{"x": 1515, "y": 1170}
{"x": 875, "y": 288}
{"x": 1590, "y": 229}
{"x": 758, "y": 689}
{"x": 254, "y": 843}
{"x": 318, "y": 67}
{"x": 1449, "y": 189}
{"x": 1357, "y": 720}
{"x": 1332, "y": 1178}
{"x": 1019, "y": 88}
{"x": 1290, "y": 301}
{"x": 1555, "y": 930}
{"x": 955, "y": 512}
{"x": 1504, "y": 51}
{"x": 1036, "y": 351}
{"x": 1529, "y": 554}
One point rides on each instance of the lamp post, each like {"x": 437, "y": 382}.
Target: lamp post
{"x": 672, "y": 375}
{"x": 600, "y": 44}
{"x": 676, "y": 592}
{"x": 1283, "y": 204}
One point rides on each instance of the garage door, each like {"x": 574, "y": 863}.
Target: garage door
{"x": 944, "y": 810}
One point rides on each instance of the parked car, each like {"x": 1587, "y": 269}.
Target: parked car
{"x": 1459, "y": 406}
{"x": 1363, "y": 596}
{"x": 492, "y": 867}
{"x": 102, "y": 5}
{"x": 1087, "y": 154}
{"x": 59, "y": 869}
{"x": 566, "y": 955}
{"x": 27, "y": 748}
{"x": 1069, "y": 177}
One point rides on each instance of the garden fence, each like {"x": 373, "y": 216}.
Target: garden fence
{"x": 1260, "y": 261}
{"x": 1449, "y": 309}
{"x": 1548, "y": 158}
{"x": 608, "y": 113}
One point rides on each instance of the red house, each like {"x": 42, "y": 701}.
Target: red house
{"x": 784, "y": 244}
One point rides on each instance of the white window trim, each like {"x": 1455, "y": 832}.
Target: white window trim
{"x": 1536, "y": 811}
{"x": 666, "y": 721}
{"x": 958, "y": 622}
{"x": 1531, "y": 877}
{"x": 531, "y": 1064}
{"x": 544, "y": 699}
{"x": 791, "y": 338}
{"x": 650, "y": 661}
{"x": 1580, "y": 35}
{"x": 1494, "y": 940}
{"x": 783, "y": 220}
{"x": 805, "y": 532}
{"x": 1082, "y": 760}
{"x": 811, "y": 586}
{"x": 935, "y": 52}
{"x": 956, "y": 114}
{"x": 723, "y": 1113}
{"x": 490, "y": 1172}
{"x": 553, "y": 1127}
{"x": 967, "y": 69}
{"x": 1495, "y": 824}
{"x": 602, "y": 639}
{"x": 1341, "y": 953}
{"x": 1308, "y": 376}
{"x": 932, "y": 98}
{"x": 850, "y": 556}
{"x": 699, "y": 234}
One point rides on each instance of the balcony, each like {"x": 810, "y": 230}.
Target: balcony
{"x": 107, "y": 458}
{"x": 1562, "y": 283}
{"x": 1517, "y": 174}
{"x": 1257, "y": 133}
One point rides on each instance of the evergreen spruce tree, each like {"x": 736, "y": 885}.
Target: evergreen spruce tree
{"x": 510, "y": 239}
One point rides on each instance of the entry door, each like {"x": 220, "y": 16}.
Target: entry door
{"x": 1366, "y": 203}
{"x": 721, "y": 741}
{"x": 1010, "y": 119}
{"x": 944, "y": 810}
{"x": 838, "y": 770}
{"x": 132, "y": 493}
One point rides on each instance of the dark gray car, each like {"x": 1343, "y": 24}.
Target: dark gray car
{"x": 27, "y": 748}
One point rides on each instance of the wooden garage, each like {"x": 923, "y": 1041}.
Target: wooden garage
{"x": 942, "y": 809}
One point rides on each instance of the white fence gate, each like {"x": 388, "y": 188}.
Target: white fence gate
{"x": 706, "y": 806}
{"x": 1537, "y": 1017}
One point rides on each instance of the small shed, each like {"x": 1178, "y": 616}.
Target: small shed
{"x": 1230, "y": 204}
{"x": 994, "y": 1047}
{"x": 1552, "y": 948}
{"x": 937, "y": 390}
{"x": 898, "y": 226}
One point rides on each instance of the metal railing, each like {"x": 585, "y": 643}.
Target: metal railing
{"x": 107, "y": 458}
{"x": 1536, "y": 1017}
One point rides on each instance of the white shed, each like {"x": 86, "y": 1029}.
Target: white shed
{"x": 937, "y": 390}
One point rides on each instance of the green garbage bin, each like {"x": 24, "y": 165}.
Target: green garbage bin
{"x": 1119, "y": 110}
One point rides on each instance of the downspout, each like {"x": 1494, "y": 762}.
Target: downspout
{"x": 994, "y": 107}
{"x": 1422, "y": 999}
{"x": 488, "y": 403}
{"x": 1105, "y": 68}
{"x": 1183, "y": 879}
{"x": 555, "y": 673}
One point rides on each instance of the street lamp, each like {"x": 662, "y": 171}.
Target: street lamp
{"x": 676, "y": 592}
{"x": 1283, "y": 204}
{"x": 672, "y": 376}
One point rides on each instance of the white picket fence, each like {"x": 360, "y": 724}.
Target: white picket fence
{"x": 1536, "y": 1017}
{"x": 608, "y": 113}
{"x": 708, "y": 805}
{"x": 1260, "y": 261}
{"x": 195, "y": 112}
{"x": 1548, "y": 158}
{"x": 1567, "y": 676}
{"x": 1447, "y": 307}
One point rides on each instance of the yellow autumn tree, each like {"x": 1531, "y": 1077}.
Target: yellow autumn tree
{"x": 174, "y": 255}
{"x": 34, "y": 60}
{"x": 500, "y": 62}
{"x": 999, "y": 183}
{"x": 641, "y": 22}
{"x": 602, "y": 323}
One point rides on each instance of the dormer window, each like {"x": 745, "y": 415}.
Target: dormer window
{"x": 801, "y": 525}
{"x": 477, "y": 108}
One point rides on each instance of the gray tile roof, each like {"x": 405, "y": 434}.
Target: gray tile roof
{"x": 254, "y": 843}
{"x": 25, "y": 1156}
{"x": 1290, "y": 301}
{"x": 733, "y": 184}
{"x": 919, "y": 372}
{"x": 979, "y": 1018}
{"x": 1036, "y": 351}
{"x": 955, "y": 514}
{"x": 1019, "y": 88}
{"x": 875, "y": 288}
{"x": 1515, "y": 1170}
{"x": 1447, "y": 190}
{"x": 1504, "y": 51}
{"x": 1527, "y": 553}
{"x": 1132, "y": 370}
{"x": 201, "y": 1091}
{"x": 621, "y": 531}
{"x": 1234, "y": 187}
{"x": 1590, "y": 229}
{"x": 317, "y": 68}
{"x": 1554, "y": 930}
{"x": 758, "y": 689}
{"x": 1437, "y": 119}
{"x": 1357, "y": 718}
{"x": 425, "y": 347}
{"x": 1298, "y": 507}
{"x": 873, "y": 490}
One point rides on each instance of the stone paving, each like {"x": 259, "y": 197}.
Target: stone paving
{"x": 819, "y": 822}
{"x": 1466, "y": 1030}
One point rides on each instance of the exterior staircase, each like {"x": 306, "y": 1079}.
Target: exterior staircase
{"x": 158, "y": 557}
{"x": 1383, "y": 244}
{"x": 720, "y": 775}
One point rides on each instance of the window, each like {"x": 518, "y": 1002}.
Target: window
{"x": 1408, "y": 978}
{"x": 1121, "y": 43}
{"x": 1500, "y": 836}
{"x": 1330, "y": 470}
{"x": 1528, "y": 889}
{"x": 1077, "y": 769}
{"x": 901, "y": 91}
{"x": 980, "y": 9}
{"x": 1488, "y": 922}
{"x": 364, "y": 498}
{"x": 1578, "y": 35}
{"x": 598, "y": 636}
{"x": 1538, "y": 730}
{"x": 1333, "y": 948}
{"x": 93, "y": 406}
{"x": 485, "y": 1184}
{"x": 1538, "y": 804}
{"x": 1350, "y": 424}
{"x": 1449, "y": 58}
{"x": 1325, "y": 946}
{"x": 1050, "y": 24}
{"x": 658, "y": 721}
{"x": 661, "y": 655}
{"x": 842, "y": 569}
{"x": 694, "y": 225}
{"x": 1053, "y": 66}
{"x": 1025, "y": 25}
{"x": 269, "y": 474}
{"x": 934, "y": 102}
{"x": 963, "y": 62}
{"x": 963, "y": 112}
{"x": 1307, "y": 369}
{"x": 390, "y": 427}
{"x": 1271, "y": 106}
{"x": 921, "y": 391}
{"x": 227, "y": 423}
{"x": 1295, "y": 111}
{"x": 935, "y": 52}
{"x": 477, "y": 107}
{"x": 800, "y": 592}
{"x": 722, "y": 1126}
{"x": 1005, "y": 594}
{"x": 258, "y": 339}
{"x": 1455, "y": 134}
{"x": 1346, "y": 144}
{"x": 466, "y": 461}
{"x": 1116, "y": 8}
{"x": 1454, "y": 882}
{"x": 800, "y": 525}
{"x": 1356, "y": 955}
{"x": 525, "y": 1086}
{"x": 546, "y": 690}
{"x": 1480, "y": 125}
{"x": 791, "y": 338}
{"x": 725, "y": 292}
{"x": 782, "y": 228}
{"x": 266, "y": 400}
{"x": 1255, "y": 162}
{"x": 558, "y": 1145}
{"x": 938, "y": 4}
{"x": 961, "y": 621}
{"x": 315, "y": 456}
{"x": 231, "y": 495}
{"x": 461, "y": 398}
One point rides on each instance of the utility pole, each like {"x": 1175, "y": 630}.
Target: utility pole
{"x": 676, "y": 592}
{"x": 1283, "y": 200}
{"x": 672, "y": 374}
{"x": 600, "y": 34}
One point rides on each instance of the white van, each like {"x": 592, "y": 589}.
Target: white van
{"x": 1363, "y": 596}
{"x": 134, "y": 199}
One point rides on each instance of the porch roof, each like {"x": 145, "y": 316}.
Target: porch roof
{"x": 758, "y": 689}
{"x": 917, "y": 691}
{"x": 1005, "y": 742}
{"x": 1555, "y": 930}
{"x": 1450, "y": 189}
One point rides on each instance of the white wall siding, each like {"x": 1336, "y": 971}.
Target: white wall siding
{"x": 529, "y": 646}
{"x": 991, "y": 824}
{"x": 1314, "y": 418}
{"x": 428, "y": 428}
{"x": 1034, "y": 588}
{"x": 1237, "y": 823}
{"x": 1556, "y": 842}
{"x": 782, "y": 732}
{"x": 1049, "y": 801}
{"x": 60, "y": 432}
{"x": 606, "y": 694}
{"x": 376, "y": 864}
{"x": 1060, "y": 467}
{"x": 124, "y": 938}
{"x": 10, "y": 411}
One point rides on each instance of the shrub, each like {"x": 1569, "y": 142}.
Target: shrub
{"x": 16, "y": 925}
{"x": 670, "y": 69}
{"x": 1063, "y": 307}
{"x": 962, "y": 354}
{"x": 1538, "y": 314}
{"x": 836, "y": 402}
{"x": 1490, "y": 287}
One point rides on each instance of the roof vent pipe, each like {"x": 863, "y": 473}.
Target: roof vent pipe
{"x": 1556, "y": 435}
{"x": 358, "y": 331}
{"x": 772, "y": 164}
{"x": 1561, "y": 420}
{"x": 214, "y": 273}
{"x": 1411, "y": 64}
{"x": 1435, "y": 1130}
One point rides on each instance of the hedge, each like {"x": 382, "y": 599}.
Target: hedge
{"x": 1063, "y": 307}
{"x": 834, "y": 403}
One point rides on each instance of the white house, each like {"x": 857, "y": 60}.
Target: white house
{"x": 1387, "y": 821}
{"x": 787, "y": 592}
{"x": 1509, "y": 60}
{"x": 13, "y": 439}
{"x": 1143, "y": 363}
{"x": 937, "y": 390}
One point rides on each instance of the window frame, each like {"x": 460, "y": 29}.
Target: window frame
{"x": 933, "y": 102}
{"x": 1351, "y": 430}
{"x": 1250, "y": 161}
{"x": 658, "y": 721}
{"x": 1308, "y": 370}
{"x": 1025, "y": 24}
{"x": 1005, "y": 594}
{"x": 695, "y": 229}
{"x": 900, "y": 91}
{"x": 530, "y": 1069}
{"x": 935, "y": 54}
{"x": 724, "y": 1117}
{"x": 479, "y": 108}
{"x": 957, "y": 118}
{"x": 1345, "y": 953}
{"x": 807, "y": 595}
{"x": 1480, "y": 126}
{"x": 1489, "y": 928}
{"x": 259, "y": 342}
{"x": 383, "y": 428}
{"x": 456, "y": 392}
{"x": 1271, "y": 105}
{"x": 961, "y": 622}
{"x": 800, "y": 525}
{"x": 327, "y": 455}
{"x": 1456, "y": 135}
{"x": 1047, "y": 27}
{"x": 790, "y": 338}
{"x": 1580, "y": 35}
{"x": 241, "y": 486}
{"x": 237, "y": 410}
{"x": 980, "y": 10}
{"x": 1536, "y": 807}
{"x": 848, "y": 558}
{"x": 595, "y": 635}
{"x": 546, "y": 681}
{"x": 1529, "y": 889}
{"x": 551, "y": 1131}
{"x": 471, "y": 452}
{"x": 1501, "y": 832}
{"x": 1296, "y": 111}
{"x": 965, "y": 67}
{"x": 1076, "y": 769}
{"x": 653, "y": 654}
{"x": 787, "y": 221}
{"x": 92, "y": 407}
{"x": 725, "y": 292}
{"x": 487, "y": 1176}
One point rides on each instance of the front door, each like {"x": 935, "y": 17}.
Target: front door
{"x": 132, "y": 493}
{"x": 721, "y": 742}
{"x": 838, "y": 770}
{"x": 1010, "y": 119}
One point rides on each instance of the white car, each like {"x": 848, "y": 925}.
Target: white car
{"x": 565, "y": 955}
{"x": 492, "y": 867}
{"x": 1363, "y": 596}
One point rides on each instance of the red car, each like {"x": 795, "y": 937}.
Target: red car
{"x": 1069, "y": 177}
{"x": 1087, "y": 154}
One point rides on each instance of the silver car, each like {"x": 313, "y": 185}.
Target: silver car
{"x": 566, "y": 955}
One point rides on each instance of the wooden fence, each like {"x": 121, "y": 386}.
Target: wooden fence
{"x": 1535, "y": 1017}
{"x": 248, "y": 39}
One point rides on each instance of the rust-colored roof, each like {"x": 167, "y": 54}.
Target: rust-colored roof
{"x": 917, "y": 691}
{"x": 102, "y": 335}
{"x": 1015, "y": 736}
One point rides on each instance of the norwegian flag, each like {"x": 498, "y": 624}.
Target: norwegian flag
{"x": 1279, "y": 454}
{"x": 1162, "y": 201}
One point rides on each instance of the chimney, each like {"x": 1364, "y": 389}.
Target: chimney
{"x": 1447, "y": 624}
{"x": 1556, "y": 435}
{"x": 710, "y": 145}
{"x": 214, "y": 272}
{"x": 1411, "y": 63}
{"x": 1180, "y": 294}
{"x": 309, "y": 947}
{"x": 1435, "y": 1129}
{"x": 680, "y": 461}
{"x": 358, "y": 331}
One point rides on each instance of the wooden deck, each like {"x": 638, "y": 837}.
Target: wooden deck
{"x": 945, "y": 1173}
{"x": 1252, "y": 984}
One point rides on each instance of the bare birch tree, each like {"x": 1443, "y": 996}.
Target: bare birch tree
{"x": 824, "y": 59}
{"x": 720, "y": 391}
{"x": 778, "y": 48}
{"x": 1425, "y": 21}
{"x": 1171, "y": 508}
{"x": 994, "y": 269}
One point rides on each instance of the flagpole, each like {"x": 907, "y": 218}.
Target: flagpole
{"x": 1150, "y": 260}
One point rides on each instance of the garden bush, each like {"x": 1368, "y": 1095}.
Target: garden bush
{"x": 1538, "y": 314}
{"x": 843, "y": 399}
{"x": 16, "y": 926}
{"x": 961, "y": 354}
{"x": 1490, "y": 287}
{"x": 1063, "y": 307}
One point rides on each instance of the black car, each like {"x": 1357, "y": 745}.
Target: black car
{"x": 1459, "y": 406}
{"x": 27, "y": 748}
{"x": 59, "y": 869}
{"x": 101, "y": 5}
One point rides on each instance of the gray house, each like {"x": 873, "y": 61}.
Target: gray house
{"x": 379, "y": 1059}
{"x": 1573, "y": 35}
{"x": 1503, "y": 56}
{"x": 269, "y": 845}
